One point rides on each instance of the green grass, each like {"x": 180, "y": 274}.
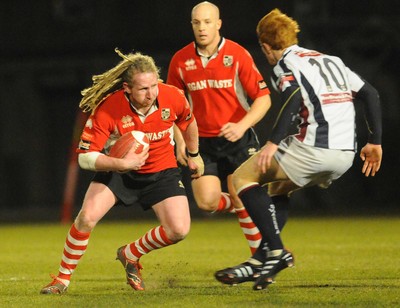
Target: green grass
{"x": 339, "y": 262}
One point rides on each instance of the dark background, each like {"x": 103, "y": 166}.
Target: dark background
{"x": 50, "y": 49}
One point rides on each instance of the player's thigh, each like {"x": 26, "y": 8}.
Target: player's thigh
{"x": 281, "y": 188}
{"x": 99, "y": 199}
{"x": 207, "y": 189}
{"x": 249, "y": 172}
{"x": 174, "y": 215}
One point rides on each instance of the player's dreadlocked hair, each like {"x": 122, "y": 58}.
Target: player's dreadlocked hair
{"x": 112, "y": 80}
{"x": 277, "y": 30}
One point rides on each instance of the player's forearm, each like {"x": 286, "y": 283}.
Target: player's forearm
{"x": 87, "y": 161}
{"x": 191, "y": 137}
{"x": 258, "y": 110}
{"x": 95, "y": 161}
{"x": 373, "y": 113}
{"x": 178, "y": 135}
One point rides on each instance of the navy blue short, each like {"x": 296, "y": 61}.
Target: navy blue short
{"x": 221, "y": 157}
{"x": 146, "y": 189}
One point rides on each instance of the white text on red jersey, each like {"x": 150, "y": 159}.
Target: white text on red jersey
{"x": 210, "y": 83}
{"x": 157, "y": 135}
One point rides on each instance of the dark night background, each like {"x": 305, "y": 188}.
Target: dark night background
{"x": 50, "y": 49}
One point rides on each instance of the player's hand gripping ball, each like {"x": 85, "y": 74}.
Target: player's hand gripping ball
{"x": 133, "y": 138}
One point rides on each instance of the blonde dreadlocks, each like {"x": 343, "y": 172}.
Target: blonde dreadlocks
{"x": 111, "y": 81}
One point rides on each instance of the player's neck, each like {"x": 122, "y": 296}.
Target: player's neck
{"x": 278, "y": 54}
{"x": 210, "y": 49}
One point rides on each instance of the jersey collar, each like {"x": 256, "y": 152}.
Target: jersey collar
{"x": 289, "y": 49}
{"x": 220, "y": 45}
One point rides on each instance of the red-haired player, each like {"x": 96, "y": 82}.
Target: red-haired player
{"x": 321, "y": 91}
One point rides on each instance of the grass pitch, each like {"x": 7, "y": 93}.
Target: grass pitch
{"x": 339, "y": 262}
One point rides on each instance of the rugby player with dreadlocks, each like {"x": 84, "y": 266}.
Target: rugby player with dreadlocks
{"x": 130, "y": 97}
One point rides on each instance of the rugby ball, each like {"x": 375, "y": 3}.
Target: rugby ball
{"x": 124, "y": 143}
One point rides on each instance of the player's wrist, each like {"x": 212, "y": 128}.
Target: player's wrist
{"x": 193, "y": 154}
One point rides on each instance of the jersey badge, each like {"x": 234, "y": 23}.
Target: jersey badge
{"x": 251, "y": 151}
{"x": 228, "y": 61}
{"x": 84, "y": 145}
{"x": 285, "y": 81}
{"x": 127, "y": 121}
{"x": 86, "y": 136}
{"x": 262, "y": 85}
{"x": 190, "y": 65}
{"x": 165, "y": 113}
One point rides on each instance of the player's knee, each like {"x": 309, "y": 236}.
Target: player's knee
{"x": 177, "y": 233}
{"x": 207, "y": 206}
{"x": 208, "y": 202}
{"x": 85, "y": 222}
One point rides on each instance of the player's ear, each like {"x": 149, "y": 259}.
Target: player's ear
{"x": 266, "y": 47}
{"x": 126, "y": 87}
{"x": 219, "y": 24}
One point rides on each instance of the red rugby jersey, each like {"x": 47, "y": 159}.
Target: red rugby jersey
{"x": 219, "y": 91}
{"x": 115, "y": 117}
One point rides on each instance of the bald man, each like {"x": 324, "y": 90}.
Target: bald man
{"x": 228, "y": 97}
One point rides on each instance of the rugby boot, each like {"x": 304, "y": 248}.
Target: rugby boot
{"x": 54, "y": 287}
{"x": 271, "y": 267}
{"x": 243, "y": 272}
{"x": 132, "y": 269}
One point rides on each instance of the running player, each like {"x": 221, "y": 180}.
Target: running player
{"x": 320, "y": 89}
{"x": 218, "y": 75}
{"x": 125, "y": 98}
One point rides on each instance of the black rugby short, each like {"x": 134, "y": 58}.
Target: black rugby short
{"x": 146, "y": 189}
{"x": 221, "y": 157}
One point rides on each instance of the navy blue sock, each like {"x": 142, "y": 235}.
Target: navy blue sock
{"x": 261, "y": 209}
{"x": 282, "y": 212}
{"x": 282, "y": 209}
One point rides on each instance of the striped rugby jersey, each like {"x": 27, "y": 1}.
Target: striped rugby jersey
{"x": 327, "y": 86}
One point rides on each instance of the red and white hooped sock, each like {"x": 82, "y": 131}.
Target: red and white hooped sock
{"x": 225, "y": 204}
{"x": 155, "y": 238}
{"x": 74, "y": 248}
{"x": 250, "y": 230}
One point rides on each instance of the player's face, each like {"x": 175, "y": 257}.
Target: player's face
{"x": 144, "y": 89}
{"x": 206, "y": 25}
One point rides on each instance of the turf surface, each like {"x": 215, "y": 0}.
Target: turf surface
{"x": 343, "y": 262}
